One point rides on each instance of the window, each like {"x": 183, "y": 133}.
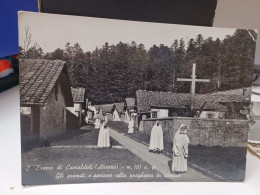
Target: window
{"x": 210, "y": 115}
{"x": 154, "y": 114}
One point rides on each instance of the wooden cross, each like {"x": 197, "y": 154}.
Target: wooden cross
{"x": 193, "y": 81}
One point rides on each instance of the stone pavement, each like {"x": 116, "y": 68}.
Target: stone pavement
{"x": 160, "y": 161}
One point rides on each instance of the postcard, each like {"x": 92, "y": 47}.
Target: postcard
{"x": 106, "y": 100}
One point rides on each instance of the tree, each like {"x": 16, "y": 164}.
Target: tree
{"x": 113, "y": 72}
{"x": 34, "y": 52}
{"x": 28, "y": 51}
{"x": 57, "y": 54}
{"x": 27, "y": 39}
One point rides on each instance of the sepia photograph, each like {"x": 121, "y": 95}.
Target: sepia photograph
{"x": 106, "y": 100}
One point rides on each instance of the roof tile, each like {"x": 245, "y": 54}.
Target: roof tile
{"x": 146, "y": 99}
{"x": 37, "y": 79}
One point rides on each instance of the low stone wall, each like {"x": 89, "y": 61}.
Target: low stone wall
{"x": 207, "y": 132}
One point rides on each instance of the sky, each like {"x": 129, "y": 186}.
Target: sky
{"x": 52, "y": 31}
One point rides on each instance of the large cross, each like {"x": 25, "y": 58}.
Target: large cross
{"x": 193, "y": 81}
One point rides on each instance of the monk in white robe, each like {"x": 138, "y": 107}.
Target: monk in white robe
{"x": 86, "y": 119}
{"x": 180, "y": 150}
{"x": 131, "y": 126}
{"x": 156, "y": 139}
{"x": 103, "y": 137}
{"x": 97, "y": 123}
{"x": 106, "y": 119}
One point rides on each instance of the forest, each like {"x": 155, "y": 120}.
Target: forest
{"x": 113, "y": 72}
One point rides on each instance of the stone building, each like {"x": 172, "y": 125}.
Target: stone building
{"x": 45, "y": 93}
{"x": 153, "y": 104}
{"x": 216, "y": 119}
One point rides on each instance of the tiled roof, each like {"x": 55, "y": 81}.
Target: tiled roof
{"x": 148, "y": 99}
{"x": 108, "y": 108}
{"x": 130, "y": 102}
{"x": 37, "y": 79}
{"x": 231, "y": 92}
{"x": 78, "y": 94}
{"x": 119, "y": 107}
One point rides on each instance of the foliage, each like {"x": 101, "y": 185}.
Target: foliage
{"x": 114, "y": 72}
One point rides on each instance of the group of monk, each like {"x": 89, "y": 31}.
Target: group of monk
{"x": 180, "y": 143}
{"x": 180, "y": 146}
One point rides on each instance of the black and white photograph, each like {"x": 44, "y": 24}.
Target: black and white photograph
{"x": 105, "y": 100}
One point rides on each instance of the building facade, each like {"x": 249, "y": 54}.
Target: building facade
{"x": 45, "y": 91}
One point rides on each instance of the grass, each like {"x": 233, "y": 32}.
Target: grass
{"x": 70, "y": 137}
{"x": 227, "y": 162}
{"x": 230, "y": 163}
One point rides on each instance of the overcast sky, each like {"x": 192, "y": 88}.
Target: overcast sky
{"x": 51, "y": 31}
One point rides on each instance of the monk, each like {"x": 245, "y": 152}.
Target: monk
{"x": 180, "y": 150}
{"x": 103, "y": 137}
{"x": 86, "y": 119}
{"x": 97, "y": 123}
{"x": 131, "y": 125}
{"x": 156, "y": 139}
{"x": 106, "y": 119}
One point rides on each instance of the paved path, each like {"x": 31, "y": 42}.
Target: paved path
{"x": 159, "y": 160}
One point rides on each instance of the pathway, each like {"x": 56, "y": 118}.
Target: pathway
{"x": 160, "y": 161}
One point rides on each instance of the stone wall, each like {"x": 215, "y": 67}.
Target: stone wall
{"x": 207, "y": 132}
{"x": 53, "y": 114}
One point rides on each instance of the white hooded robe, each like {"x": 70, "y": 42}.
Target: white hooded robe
{"x": 97, "y": 123}
{"x": 131, "y": 126}
{"x": 180, "y": 151}
{"x": 156, "y": 139}
{"x": 103, "y": 138}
